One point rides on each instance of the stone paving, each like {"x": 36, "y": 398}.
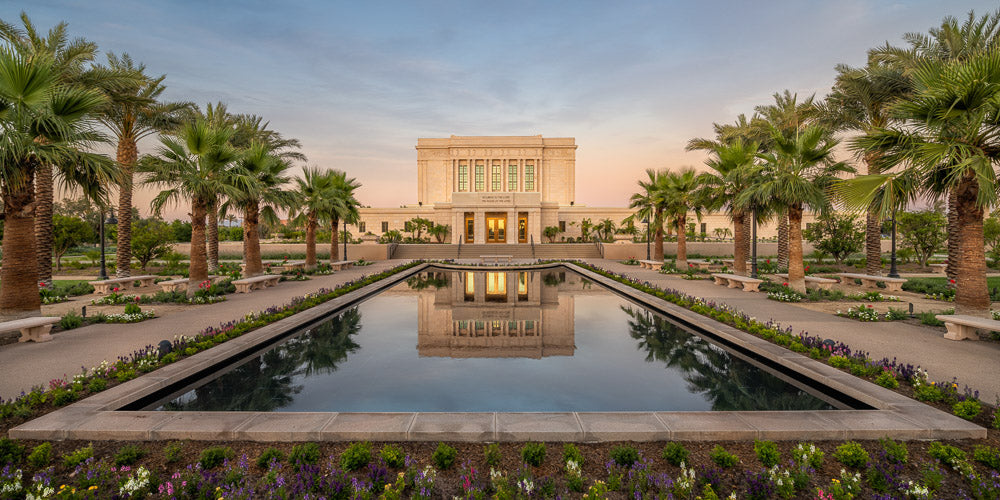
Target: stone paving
{"x": 973, "y": 363}
{"x": 29, "y": 364}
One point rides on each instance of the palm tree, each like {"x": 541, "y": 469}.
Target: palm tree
{"x": 188, "y": 168}
{"x": 343, "y": 207}
{"x": 605, "y": 229}
{"x": 796, "y": 175}
{"x": 683, "y": 196}
{"x": 313, "y": 201}
{"x": 650, "y": 203}
{"x": 949, "y": 139}
{"x": 133, "y": 112}
{"x": 43, "y": 122}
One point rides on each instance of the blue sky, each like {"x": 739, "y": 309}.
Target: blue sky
{"x": 359, "y": 82}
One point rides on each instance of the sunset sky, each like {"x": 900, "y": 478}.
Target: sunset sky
{"x": 359, "y": 82}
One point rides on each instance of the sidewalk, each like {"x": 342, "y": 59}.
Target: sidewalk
{"x": 975, "y": 364}
{"x": 23, "y": 366}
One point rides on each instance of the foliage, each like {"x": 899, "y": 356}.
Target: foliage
{"x": 851, "y": 454}
{"x": 129, "y": 454}
{"x": 393, "y": 456}
{"x": 214, "y": 456}
{"x": 491, "y": 454}
{"x": 624, "y": 455}
{"x": 180, "y": 231}
{"x": 68, "y": 232}
{"x": 10, "y": 451}
{"x": 887, "y": 379}
{"x": 808, "y": 455}
{"x": 151, "y": 239}
{"x": 947, "y": 454}
{"x": 572, "y": 453}
{"x": 173, "y": 451}
{"x": 308, "y": 453}
{"x": 271, "y": 454}
{"x": 923, "y": 232}
{"x": 723, "y": 458}
{"x": 968, "y": 409}
{"x": 533, "y": 454}
{"x": 551, "y": 232}
{"x": 41, "y": 456}
{"x": 767, "y": 452}
{"x": 895, "y": 451}
{"x": 987, "y": 455}
{"x": 836, "y": 235}
{"x": 444, "y": 456}
{"x": 70, "y": 320}
{"x": 861, "y": 313}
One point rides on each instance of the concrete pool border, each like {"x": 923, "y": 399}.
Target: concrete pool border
{"x": 98, "y": 417}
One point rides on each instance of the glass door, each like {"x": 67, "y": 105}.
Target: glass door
{"x": 496, "y": 229}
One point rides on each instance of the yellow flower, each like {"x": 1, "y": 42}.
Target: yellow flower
{"x": 92, "y": 488}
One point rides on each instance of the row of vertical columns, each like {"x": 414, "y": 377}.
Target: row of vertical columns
{"x": 504, "y": 175}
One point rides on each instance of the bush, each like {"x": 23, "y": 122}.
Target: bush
{"x": 308, "y": 453}
{"x": 887, "y": 379}
{"x": 129, "y": 454}
{"x": 173, "y": 452}
{"x": 946, "y": 454}
{"x": 70, "y": 321}
{"x": 41, "y": 456}
{"x": 571, "y": 452}
{"x": 214, "y": 456}
{"x": 840, "y": 361}
{"x": 851, "y": 454}
{"x": 996, "y": 418}
{"x": 968, "y": 409}
{"x": 356, "y": 456}
{"x": 270, "y": 455}
{"x": 393, "y": 456}
{"x": 987, "y": 455}
{"x": 533, "y": 454}
{"x": 767, "y": 452}
{"x": 444, "y": 456}
{"x": 928, "y": 392}
{"x": 929, "y": 318}
{"x": 675, "y": 454}
{"x": 723, "y": 458}
{"x": 624, "y": 455}
{"x": 97, "y": 384}
{"x": 10, "y": 452}
{"x": 132, "y": 309}
{"x": 491, "y": 453}
{"x": 808, "y": 454}
{"x": 895, "y": 451}
{"x": 78, "y": 456}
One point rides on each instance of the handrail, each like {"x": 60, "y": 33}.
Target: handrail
{"x": 532, "y": 237}
{"x": 390, "y": 250}
{"x": 600, "y": 247}
{"x": 459, "y": 254}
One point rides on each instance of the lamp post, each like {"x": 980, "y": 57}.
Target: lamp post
{"x": 111, "y": 220}
{"x": 753, "y": 232}
{"x": 892, "y": 260}
{"x": 645, "y": 221}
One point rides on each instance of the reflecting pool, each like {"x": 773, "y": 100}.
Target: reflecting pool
{"x": 493, "y": 341}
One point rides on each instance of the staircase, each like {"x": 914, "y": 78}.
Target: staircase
{"x": 521, "y": 251}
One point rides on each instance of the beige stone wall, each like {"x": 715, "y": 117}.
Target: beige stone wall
{"x": 706, "y": 248}
{"x": 230, "y": 250}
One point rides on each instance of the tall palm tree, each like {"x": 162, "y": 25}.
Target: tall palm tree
{"x": 650, "y": 203}
{"x": 343, "y": 207}
{"x": 683, "y": 196}
{"x": 797, "y": 174}
{"x": 312, "y": 195}
{"x": 133, "y": 112}
{"x": 43, "y": 122}
{"x": 860, "y": 101}
{"x": 188, "y": 168}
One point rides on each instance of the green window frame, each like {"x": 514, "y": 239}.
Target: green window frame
{"x": 497, "y": 177}
{"x": 463, "y": 177}
{"x": 529, "y": 176}
{"x": 480, "y": 177}
{"x": 512, "y": 175}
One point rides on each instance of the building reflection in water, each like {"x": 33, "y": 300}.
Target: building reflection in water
{"x": 496, "y": 314}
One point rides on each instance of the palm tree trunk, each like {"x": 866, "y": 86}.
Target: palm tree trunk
{"x": 251, "y": 241}
{"x": 334, "y": 230}
{"x": 796, "y": 273}
{"x": 311, "y": 241}
{"x": 682, "y": 254}
{"x": 873, "y": 243}
{"x": 971, "y": 292}
{"x": 783, "y": 238}
{"x": 951, "y": 269}
{"x": 658, "y": 235}
{"x": 19, "y": 274}
{"x": 127, "y": 156}
{"x": 739, "y": 252}
{"x": 747, "y": 236}
{"x": 212, "y": 236}
{"x": 198, "y": 267}
{"x": 43, "y": 224}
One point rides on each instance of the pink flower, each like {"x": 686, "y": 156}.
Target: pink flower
{"x": 784, "y": 284}
{"x": 768, "y": 261}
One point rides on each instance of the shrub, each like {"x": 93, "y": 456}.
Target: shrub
{"x": 895, "y": 451}
{"x": 444, "y": 456}
{"x": 41, "y": 456}
{"x": 928, "y": 392}
{"x": 887, "y": 379}
{"x": 675, "y": 453}
{"x": 767, "y": 452}
{"x": 270, "y": 455}
{"x": 393, "y": 456}
{"x": 929, "y": 318}
{"x": 624, "y": 455}
{"x": 851, "y": 454}
{"x": 946, "y": 454}
{"x": 10, "y": 452}
{"x": 173, "y": 451}
{"x": 214, "y": 456}
{"x": 308, "y": 453}
{"x": 840, "y": 361}
{"x": 987, "y": 455}
{"x": 491, "y": 453}
{"x": 968, "y": 409}
{"x": 78, "y": 456}
{"x": 129, "y": 454}
{"x": 571, "y": 452}
{"x": 996, "y": 417}
{"x": 723, "y": 458}
{"x": 63, "y": 397}
{"x": 97, "y": 384}
{"x": 533, "y": 454}
{"x": 132, "y": 309}
{"x": 808, "y": 454}
{"x": 70, "y": 321}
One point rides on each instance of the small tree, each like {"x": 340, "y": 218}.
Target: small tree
{"x": 550, "y": 233}
{"x": 181, "y": 230}
{"x": 991, "y": 235}
{"x": 439, "y": 232}
{"x": 923, "y": 231}
{"x": 150, "y": 240}
{"x": 836, "y": 235}
{"x": 68, "y": 232}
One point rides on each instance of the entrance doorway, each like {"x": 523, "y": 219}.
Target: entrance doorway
{"x": 496, "y": 228}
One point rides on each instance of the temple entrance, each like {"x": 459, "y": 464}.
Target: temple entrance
{"x": 496, "y": 228}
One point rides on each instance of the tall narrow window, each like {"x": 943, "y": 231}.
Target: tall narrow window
{"x": 511, "y": 175}
{"x": 496, "y": 177}
{"x": 480, "y": 177}
{"x": 385, "y": 226}
{"x": 361, "y": 227}
{"x": 529, "y": 176}
{"x": 463, "y": 176}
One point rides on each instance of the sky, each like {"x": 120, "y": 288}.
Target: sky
{"x": 358, "y": 82}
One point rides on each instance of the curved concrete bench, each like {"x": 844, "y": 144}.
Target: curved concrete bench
{"x": 737, "y": 281}
{"x": 938, "y": 268}
{"x": 247, "y": 285}
{"x": 32, "y": 329}
{"x": 651, "y": 264}
{"x": 962, "y": 327}
{"x": 701, "y": 264}
{"x": 891, "y": 284}
{"x": 342, "y": 264}
{"x": 179, "y": 284}
{"x": 815, "y": 281}
{"x": 105, "y": 286}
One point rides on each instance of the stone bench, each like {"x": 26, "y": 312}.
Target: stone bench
{"x": 651, "y": 264}
{"x": 891, "y": 284}
{"x": 291, "y": 266}
{"x": 496, "y": 258}
{"x": 247, "y": 285}
{"x": 341, "y": 264}
{"x": 701, "y": 264}
{"x": 737, "y": 281}
{"x": 105, "y": 286}
{"x": 32, "y": 329}
{"x": 814, "y": 281}
{"x": 179, "y": 284}
{"x": 962, "y": 327}
{"x": 938, "y": 268}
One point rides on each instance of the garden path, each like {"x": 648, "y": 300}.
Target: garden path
{"x": 973, "y": 363}
{"x": 23, "y": 366}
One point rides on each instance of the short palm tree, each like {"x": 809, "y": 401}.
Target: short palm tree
{"x": 313, "y": 201}
{"x": 650, "y": 203}
{"x": 682, "y": 196}
{"x": 731, "y": 164}
{"x": 343, "y": 207}
{"x": 43, "y": 122}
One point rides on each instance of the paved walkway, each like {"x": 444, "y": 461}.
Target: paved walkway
{"x": 973, "y": 363}
{"x": 23, "y": 366}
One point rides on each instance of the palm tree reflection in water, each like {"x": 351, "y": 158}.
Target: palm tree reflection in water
{"x": 268, "y": 382}
{"x": 731, "y": 384}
